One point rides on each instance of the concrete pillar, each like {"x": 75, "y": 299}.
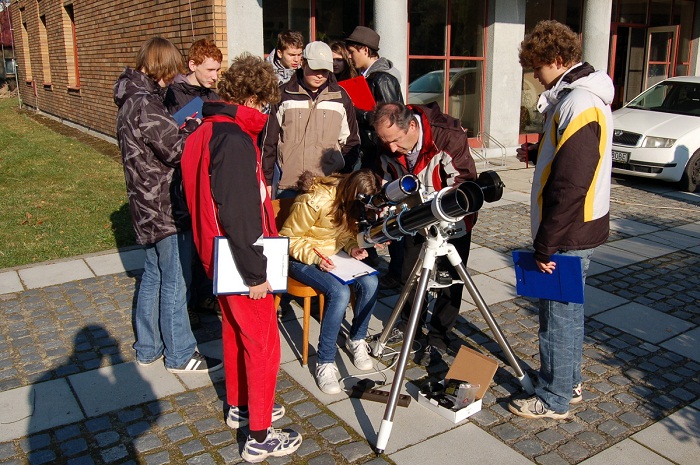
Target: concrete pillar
{"x": 391, "y": 23}
{"x": 244, "y": 27}
{"x": 506, "y": 30}
{"x": 596, "y": 32}
{"x": 695, "y": 45}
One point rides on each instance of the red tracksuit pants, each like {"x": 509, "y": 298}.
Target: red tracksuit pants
{"x": 251, "y": 346}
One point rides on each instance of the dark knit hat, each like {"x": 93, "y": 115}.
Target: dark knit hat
{"x": 365, "y": 36}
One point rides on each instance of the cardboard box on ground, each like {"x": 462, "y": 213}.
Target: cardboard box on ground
{"x": 471, "y": 367}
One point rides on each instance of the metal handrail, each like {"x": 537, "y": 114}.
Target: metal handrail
{"x": 484, "y": 136}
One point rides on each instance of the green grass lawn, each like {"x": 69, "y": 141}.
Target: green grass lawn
{"x": 60, "y": 195}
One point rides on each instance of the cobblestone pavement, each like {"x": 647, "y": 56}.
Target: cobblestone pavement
{"x": 57, "y": 331}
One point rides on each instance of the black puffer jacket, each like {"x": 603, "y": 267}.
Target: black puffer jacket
{"x": 180, "y": 92}
{"x": 151, "y": 147}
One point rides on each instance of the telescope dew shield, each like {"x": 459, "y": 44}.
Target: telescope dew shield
{"x": 394, "y": 192}
{"x": 450, "y": 205}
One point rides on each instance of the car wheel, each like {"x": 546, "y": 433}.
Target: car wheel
{"x": 691, "y": 176}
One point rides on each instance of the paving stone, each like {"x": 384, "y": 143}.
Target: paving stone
{"x": 39, "y": 457}
{"x": 529, "y": 447}
{"x": 82, "y": 460}
{"x": 106, "y": 438}
{"x": 159, "y": 458}
{"x": 204, "y": 459}
{"x": 608, "y": 407}
{"x": 589, "y": 416}
{"x": 633, "y": 419}
{"x": 36, "y": 442}
{"x": 7, "y": 450}
{"x": 98, "y": 424}
{"x": 507, "y": 432}
{"x": 115, "y": 453}
{"x": 178, "y": 433}
{"x": 231, "y": 454}
{"x": 68, "y": 432}
{"x": 324, "y": 459}
{"x": 207, "y": 425}
{"x": 191, "y": 447}
{"x": 306, "y": 409}
{"x": 322, "y": 421}
{"x": 74, "y": 446}
{"x": 147, "y": 442}
{"x": 219, "y": 438}
{"x": 552, "y": 458}
{"x": 572, "y": 427}
{"x": 335, "y": 435}
{"x": 612, "y": 428}
{"x": 355, "y": 450}
{"x": 138, "y": 429}
{"x": 551, "y": 436}
{"x": 308, "y": 447}
{"x": 591, "y": 439}
{"x": 293, "y": 396}
{"x": 573, "y": 450}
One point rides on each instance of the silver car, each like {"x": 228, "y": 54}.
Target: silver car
{"x": 657, "y": 134}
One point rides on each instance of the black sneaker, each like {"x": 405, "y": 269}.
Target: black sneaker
{"x": 431, "y": 355}
{"x": 198, "y": 364}
{"x": 389, "y": 281}
{"x": 278, "y": 443}
{"x": 209, "y": 305}
{"x": 577, "y": 395}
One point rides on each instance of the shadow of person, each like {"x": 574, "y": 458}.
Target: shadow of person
{"x": 66, "y": 417}
{"x": 124, "y": 235}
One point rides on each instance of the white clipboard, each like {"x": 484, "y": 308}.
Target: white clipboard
{"x": 347, "y": 269}
{"x": 227, "y": 279}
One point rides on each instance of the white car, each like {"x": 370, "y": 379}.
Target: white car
{"x": 657, "y": 134}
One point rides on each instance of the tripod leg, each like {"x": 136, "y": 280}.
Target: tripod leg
{"x": 388, "y": 421}
{"x": 522, "y": 377}
{"x": 380, "y": 343}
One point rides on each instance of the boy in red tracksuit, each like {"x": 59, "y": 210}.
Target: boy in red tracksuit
{"x": 225, "y": 191}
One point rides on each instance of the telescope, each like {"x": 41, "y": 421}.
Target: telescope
{"x": 438, "y": 216}
{"x": 450, "y": 205}
{"x": 392, "y": 193}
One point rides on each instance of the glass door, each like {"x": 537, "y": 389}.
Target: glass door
{"x": 660, "y": 54}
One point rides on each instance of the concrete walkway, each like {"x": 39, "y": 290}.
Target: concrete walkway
{"x": 70, "y": 391}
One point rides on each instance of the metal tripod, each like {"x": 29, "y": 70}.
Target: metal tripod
{"x": 435, "y": 246}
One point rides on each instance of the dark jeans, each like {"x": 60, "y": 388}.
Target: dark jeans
{"x": 449, "y": 300}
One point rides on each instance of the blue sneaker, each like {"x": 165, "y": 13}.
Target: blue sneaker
{"x": 278, "y": 443}
{"x": 238, "y": 417}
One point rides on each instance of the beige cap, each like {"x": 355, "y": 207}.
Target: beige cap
{"x": 318, "y": 55}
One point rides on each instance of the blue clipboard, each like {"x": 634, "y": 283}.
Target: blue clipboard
{"x": 565, "y": 284}
{"x": 193, "y": 107}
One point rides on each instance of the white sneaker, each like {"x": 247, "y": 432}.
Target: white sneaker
{"x": 327, "y": 378}
{"x": 360, "y": 353}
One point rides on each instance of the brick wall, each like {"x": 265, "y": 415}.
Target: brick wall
{"x": 108, "y": 35}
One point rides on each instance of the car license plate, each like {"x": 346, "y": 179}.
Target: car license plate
{"x": 621, "y": 157}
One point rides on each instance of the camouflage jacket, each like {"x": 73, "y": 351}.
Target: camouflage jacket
{"x": 151, "y": 145}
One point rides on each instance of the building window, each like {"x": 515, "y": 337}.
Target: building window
{"x": 10, "y": 66}
{"x": 26, "y": 52}
{"x": 446, "y": 58}
{"x": 71, "y": 47}
{"x": 44, "y": 48}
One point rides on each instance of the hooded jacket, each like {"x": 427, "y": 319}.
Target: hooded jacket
{"x": 181, "y": 92}
{"x": 305, "y": 134}
{"x": 384, "y": 80}
{"x": 570, "y": 198}
{"x": 283, "y": 74}
{"x": 444, "y": 158}
{"x": 225, "y": 189}
{"x": 310, "y": 224}
{"x": 151, "y": 146}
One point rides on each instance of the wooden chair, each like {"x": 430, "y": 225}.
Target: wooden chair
{"x": 294, "y": 287}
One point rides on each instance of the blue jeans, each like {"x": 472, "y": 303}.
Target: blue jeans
{"x": 161, "y": 321}
{"x": 561, "y": 345}
{"x": 337, "y": 296}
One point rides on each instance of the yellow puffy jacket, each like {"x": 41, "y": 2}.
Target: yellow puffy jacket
{"x": 310, "y": 225}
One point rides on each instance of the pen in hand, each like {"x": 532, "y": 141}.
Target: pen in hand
{"x": 323, "y": 257}
{"x": 189, "y": 118}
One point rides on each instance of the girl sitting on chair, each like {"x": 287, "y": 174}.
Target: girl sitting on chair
{"x": 324, "y": 217}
